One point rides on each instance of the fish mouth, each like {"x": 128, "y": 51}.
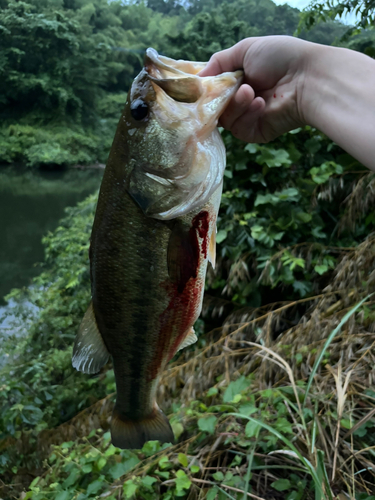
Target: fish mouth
{"x": 179, "y": 79}
{"x": 168, "y": 74}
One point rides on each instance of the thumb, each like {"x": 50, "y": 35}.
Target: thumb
{"x": 227, "y": 60}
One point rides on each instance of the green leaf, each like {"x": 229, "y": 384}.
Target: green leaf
{"x": 194, "y": 469}
{"x": 67, "y": 445}
{"x": 320, "y": 269}
{"x": 221, "y": 236}
{"x": 162, "y": 474}
{"x": 263, "y": 199}
{"x": 121, "y": 468}
{"x": 290, "y": 194}
{"x": 273, "y": 157}
{"x": 248, "y": 409}
{"x": 345, "y": 422}
{"x": 235, "y": 388}
{"x": 111, "y": 451}
{"x": 252, "y": 429}
{"x": 207, "y": 424}
{"x": 34, "y": 482}
{"x": 71, "y": 479}
{"x": 182, "y": 481}
{"x": 212, "y": 391}
{"x": 148, "y": 481}
{"x": 281, "y": 484}
{"x": 313, "y": 145}
{"x": 177, "y": 429}
{"x": 101, "y": 463}
{"x": 164, "y": 462}
{"x": 64, "y": 495}
{"x": 182, "y": 458}
{"x": 150, "y": 448}
{"x": 218, "y": 476}
{"x": 251, "y": 148}
{"x": 94, "y": 487}
{"x": 130, "y": 488}
{"x": 304, "y": 216}
{"x": 211, "y": 493}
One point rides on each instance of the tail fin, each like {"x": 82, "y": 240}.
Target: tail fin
{"x": 133, "y": 434}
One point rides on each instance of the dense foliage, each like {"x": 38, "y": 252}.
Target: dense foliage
{"x": 276, "y": 401}
{"x": 66, "y": 65}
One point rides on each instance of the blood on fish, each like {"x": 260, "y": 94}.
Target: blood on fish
{"x": 189, "y": 261}
{"x": 184, "y": 295}
{"x": 274, "y": 95}
{"x": 179, "y": 314}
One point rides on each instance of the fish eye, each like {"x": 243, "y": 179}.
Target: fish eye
{"x": 139, "y": 109}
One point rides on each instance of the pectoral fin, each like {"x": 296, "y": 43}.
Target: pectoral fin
{"x": 89, "y": 352}
{"x": 190, "y": 338}
{"x": 212, "y": 248}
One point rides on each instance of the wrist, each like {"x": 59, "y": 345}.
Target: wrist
{"x": 317, "y": 84}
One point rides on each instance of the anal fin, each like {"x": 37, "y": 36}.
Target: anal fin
{"x": 89, "y": 352}
{"x": 190, "y": 338}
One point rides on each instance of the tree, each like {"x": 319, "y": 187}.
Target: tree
{"x": 323, "y": 11}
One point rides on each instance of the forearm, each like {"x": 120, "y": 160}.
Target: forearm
{"x": 338, "y": 98}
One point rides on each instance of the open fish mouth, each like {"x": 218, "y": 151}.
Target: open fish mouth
{"x": 180, "y": 80}
{"x": 185, "y": 112}
{"x": 168, "y": 74}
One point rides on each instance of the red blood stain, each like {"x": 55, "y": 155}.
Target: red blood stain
{"x": 189, "y": 260}
{"x": 281, "y": 96}
{"x": 178, "y": 316}
{"x": 274, "y": 95}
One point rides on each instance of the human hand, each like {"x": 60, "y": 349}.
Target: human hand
{"x": 269, "y": 103}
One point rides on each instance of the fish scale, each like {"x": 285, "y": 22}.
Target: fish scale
{"x": 153, "y": 234}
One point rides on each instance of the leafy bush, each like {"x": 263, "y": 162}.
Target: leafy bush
{"x": 278, "y": 222}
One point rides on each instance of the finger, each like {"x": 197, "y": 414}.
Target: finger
{"x": 246, "y": 127}
{"x": 240, "y": 102}
{"x": 229, "y": 59}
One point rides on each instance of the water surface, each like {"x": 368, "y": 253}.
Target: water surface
{"x": 31, "y": 204}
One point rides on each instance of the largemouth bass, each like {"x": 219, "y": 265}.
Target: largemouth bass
{"x": 153, "y": 234}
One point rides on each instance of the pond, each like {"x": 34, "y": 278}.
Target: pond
{"x": 31, "y": 204}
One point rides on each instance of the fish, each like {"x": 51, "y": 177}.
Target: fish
{"x": 153, "y": 234}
